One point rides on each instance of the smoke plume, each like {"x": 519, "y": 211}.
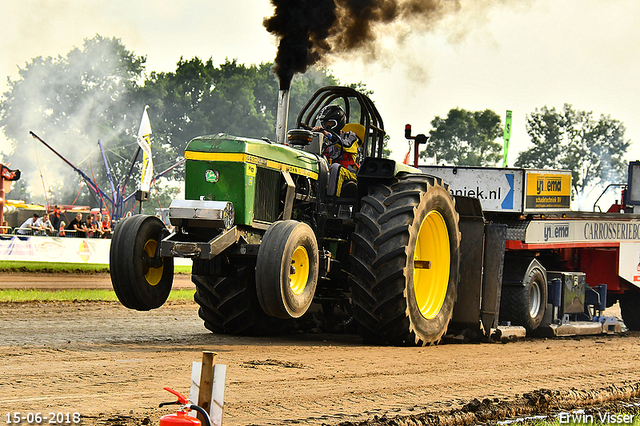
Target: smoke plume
{"x": 70, "y": 102}
{"x": 309, "y": 30}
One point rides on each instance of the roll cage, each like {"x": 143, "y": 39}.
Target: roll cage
{"x": 355, "y": 104}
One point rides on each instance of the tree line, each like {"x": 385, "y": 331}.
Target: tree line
{"x": 98, "y": 92}
{"x": 593, "y": 149}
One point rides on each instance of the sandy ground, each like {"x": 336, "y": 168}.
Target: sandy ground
{"x": 110, "y": 364}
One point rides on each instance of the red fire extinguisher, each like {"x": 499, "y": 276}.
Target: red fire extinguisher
{"x": 182, "y": 417}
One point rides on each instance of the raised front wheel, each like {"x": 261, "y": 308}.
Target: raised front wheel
{"x": 287, "y": 269}
{"x": 141, "y": 280}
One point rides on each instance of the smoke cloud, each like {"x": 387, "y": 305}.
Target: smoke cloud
{"x": 69, "y": 102}
{"x": 309, "y": 31}
{"x": 303, "y": 27}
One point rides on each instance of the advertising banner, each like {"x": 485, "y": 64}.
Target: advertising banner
{"x": 54, "y": 249}
{"x": 498, "y": 190}
{"x": 59, "y": 249}
{"x": 547, "y": 190}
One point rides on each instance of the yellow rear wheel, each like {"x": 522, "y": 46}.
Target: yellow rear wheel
{"x": 431, "y": 264}
{"x": 405, "y": 261}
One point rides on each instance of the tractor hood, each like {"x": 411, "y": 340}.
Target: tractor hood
{"x": 227, "y": 148}
{"x": 248, "y": 173}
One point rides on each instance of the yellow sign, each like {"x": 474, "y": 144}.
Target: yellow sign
{"x": 548, "y": 190}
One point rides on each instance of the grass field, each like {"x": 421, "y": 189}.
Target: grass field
{"x": 73, "y": 294}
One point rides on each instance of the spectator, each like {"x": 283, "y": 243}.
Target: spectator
{"x": 106, "y": 224}
{"x": 78, "y": 226}
{"x": 5, "y": 227}
{"x": 43, "y": 224}
{"x": 99, "y": 227}
{"x": 90, "y": 227}
{"x": 28, "y": 225}
{"x": 55, "y": 217}
{"x": 61, "y": 232}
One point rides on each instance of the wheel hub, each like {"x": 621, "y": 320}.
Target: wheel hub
{"x": 153, "y": 275}
{"x": 299, "y": 270}
{"x": 534, "y": 299}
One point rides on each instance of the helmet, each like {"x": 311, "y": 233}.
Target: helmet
{"x": 332, "y": 117}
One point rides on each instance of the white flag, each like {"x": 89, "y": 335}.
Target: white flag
{"x": 144, "y": 134}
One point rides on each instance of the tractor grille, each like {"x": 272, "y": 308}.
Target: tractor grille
{"x": 267, "y": 199}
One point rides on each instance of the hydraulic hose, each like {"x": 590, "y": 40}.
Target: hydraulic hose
{"x": 202, "y": 411}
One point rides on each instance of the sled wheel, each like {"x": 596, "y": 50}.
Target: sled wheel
{"x": 629, "y": 304}
{"x": 525, "y": 304}
{"x": 405, "y": 262}
{"x": 140, "y": 281}
{"x": 287, "y": 269}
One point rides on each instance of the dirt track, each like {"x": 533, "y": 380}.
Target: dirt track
{"x": 110, "y": 364}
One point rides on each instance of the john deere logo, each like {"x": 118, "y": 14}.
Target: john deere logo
{"x": 212, "y": 176}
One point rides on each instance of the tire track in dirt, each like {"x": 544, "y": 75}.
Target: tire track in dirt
{"x": 111, "y": 363}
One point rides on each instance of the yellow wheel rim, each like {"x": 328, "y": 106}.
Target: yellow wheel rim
{"x": 431, "y": 265}
{"x": 153, "y": 275}
{"x": 299, "y": 270}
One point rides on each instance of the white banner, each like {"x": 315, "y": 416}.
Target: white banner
{"x": 54, "y": 249}
{"x": 60, "y": 249}
{"x": 582, "y": 231}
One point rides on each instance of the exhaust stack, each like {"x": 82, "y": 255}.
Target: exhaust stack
{"x": 282, "y": 117}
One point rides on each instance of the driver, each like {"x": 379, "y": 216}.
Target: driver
{"x": 340, "y": 148}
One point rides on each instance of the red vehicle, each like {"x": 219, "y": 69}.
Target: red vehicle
{"x": 551, "y": 270}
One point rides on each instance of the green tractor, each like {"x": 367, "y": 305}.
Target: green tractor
{"x": 271, "y": 248}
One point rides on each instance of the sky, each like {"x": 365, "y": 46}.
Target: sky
{"x": 503, "y": 55}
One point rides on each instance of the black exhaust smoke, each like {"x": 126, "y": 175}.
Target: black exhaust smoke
{"x": 311, "y": 29}
{"x": 303, "y": 28}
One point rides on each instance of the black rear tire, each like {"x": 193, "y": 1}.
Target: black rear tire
{"x": 137, "y": 283}
{"x": 630, "y": 309}
{"x": 400, "y": 296}
{"x": 229, "y": 304}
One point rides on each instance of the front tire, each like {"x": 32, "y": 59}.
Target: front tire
{"x": 287, "y": 269}
{"x": 140, "y": 281}
{"x": 405, "y": 262}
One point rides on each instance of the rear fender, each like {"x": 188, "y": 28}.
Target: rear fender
{"x": 381, "y": 168}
